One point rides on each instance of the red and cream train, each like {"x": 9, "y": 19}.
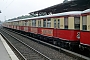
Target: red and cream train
{"x": 67, "y": 29}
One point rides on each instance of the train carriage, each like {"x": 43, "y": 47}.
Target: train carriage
{"x": 85, "y": 30}
{"x": 61, "y": 29}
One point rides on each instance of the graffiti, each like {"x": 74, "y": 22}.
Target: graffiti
{"x": 34, "y": 30}
{"x": 47, "y": 32}
{"x": 26, "y": 29}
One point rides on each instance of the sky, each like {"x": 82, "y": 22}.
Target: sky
{"x": 14, "y": 8}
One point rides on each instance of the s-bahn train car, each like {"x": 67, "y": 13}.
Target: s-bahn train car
{"x": 85, "y": 30}
{"x": 61, "y": 29}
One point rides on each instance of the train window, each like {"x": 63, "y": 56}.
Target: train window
{"x": 22, "y": 23}
{"x": 44, "y": 23}
{"x": 58, "y": 23}
{"x": 13, "y": 23}
{"x": 66, "y": 23}
{"x": 29, "y": 23}
{"x": 55, "y": 23}
{"x": 84, "y": 22}
{"x": 25, "y": 23}
{"x": 77, "y": 22}
{"x": 48, "y": 22}
{"x": 39, "y": 23}
{"x": 17, "y": 23}
{"x": 34, "y": 23}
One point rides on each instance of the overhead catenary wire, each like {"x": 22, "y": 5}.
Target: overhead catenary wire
{"x": 3, "y": 4}
{"x": 8, "y": 5}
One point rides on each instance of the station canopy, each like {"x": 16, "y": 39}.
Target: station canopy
{"x": 74, "y": 5}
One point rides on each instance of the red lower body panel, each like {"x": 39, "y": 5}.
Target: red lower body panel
{"x": 70, "y": 35}
{"x": 22, "y": 28}
{"x": 29, "y": 29}
{"x": 47, "y": 31}
{"x": 26, "y": 28}
{"x": 85, "y": 38}
{"x": 34, "y": 30}
{"x": 14, "y": 27}
{"x": 18, "y": 27}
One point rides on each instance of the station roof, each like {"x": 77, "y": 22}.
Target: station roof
{"x": 75, "y": 5}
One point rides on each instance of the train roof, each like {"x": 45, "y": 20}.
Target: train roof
{"x": 86, "y": 11}
{"x": 53, "y": 15}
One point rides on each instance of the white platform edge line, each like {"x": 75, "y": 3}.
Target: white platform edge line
{"x": 8, "y": 49}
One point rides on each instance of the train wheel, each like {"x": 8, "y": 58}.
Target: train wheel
{"x": 81, "y": 48}
{"x": 54, "y": 42}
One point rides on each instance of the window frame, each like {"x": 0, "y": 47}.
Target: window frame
{"x": 66, "y": 26}
{"x": 75, "y": 25}
{"x": 48, "y": 22}
{"x": 55, "y": 23}
{"x": 84, "y": 27}
{"x": 33, "y": 23}
{"x": 44, "y": 22}
{"x": 39, "y": 23}
{"x": 58, "y": 23}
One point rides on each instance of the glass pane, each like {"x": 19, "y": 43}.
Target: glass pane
{"x": 54, "y": 23}
{"x": 33, "y": 23}
{"x": 44, "y": 23}
{"x": 66, "y": 27}
{"x": 77, "y": 22}
{"x": 84, "y": 27}
{"x": 48, "y": 22}
{"x": 84, "y": 22}
{"x": 77, "y": 26}
{"x": 58, "y": 23}
{"x": 40, "y": 23}
{"x": 66, "y": 23}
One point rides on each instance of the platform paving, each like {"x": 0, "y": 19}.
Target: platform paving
{"x": 5, "y": 51}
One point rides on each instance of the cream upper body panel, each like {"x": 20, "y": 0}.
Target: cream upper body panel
{"x": 88, "y": 23}
{"x": 71, "y": 23}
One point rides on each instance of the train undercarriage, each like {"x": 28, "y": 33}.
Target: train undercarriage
{"x": 84, "y": 47}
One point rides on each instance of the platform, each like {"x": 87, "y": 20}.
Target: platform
{"x": 5, "y": 51}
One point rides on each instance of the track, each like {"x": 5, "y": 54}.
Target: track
{"x": 51, "y": 53}
{"x": 28, "y": 52}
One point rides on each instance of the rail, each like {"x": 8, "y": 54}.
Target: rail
{"x": 46, "y": 58}
{"x": 70, "y": 53}
{"x": 20, "y": 56}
